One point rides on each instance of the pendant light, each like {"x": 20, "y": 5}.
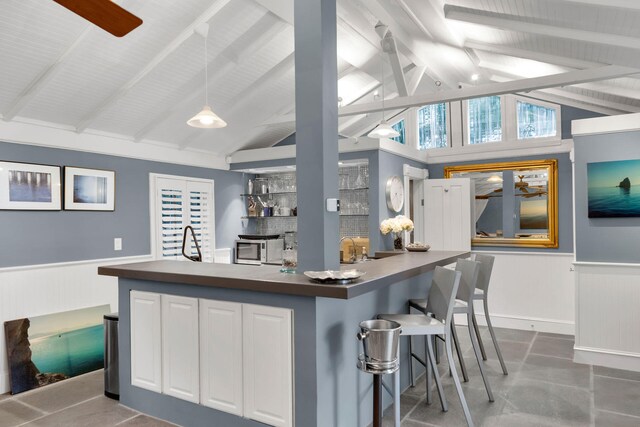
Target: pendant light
{"x": 206, "y": 118}
{"x": 383, "y": 130}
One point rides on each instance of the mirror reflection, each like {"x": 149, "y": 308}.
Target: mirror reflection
{"x": 515, "y": 202}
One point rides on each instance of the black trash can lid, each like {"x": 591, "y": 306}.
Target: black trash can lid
{"x": 112, "y": 316}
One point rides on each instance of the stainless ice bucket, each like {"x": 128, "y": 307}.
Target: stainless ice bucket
{"x": 380, "y": 340}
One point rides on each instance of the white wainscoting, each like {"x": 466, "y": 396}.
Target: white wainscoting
{"x": 44, "y": 289}
{"x": 608, "y": 316}
{"x": 531, "y": 291}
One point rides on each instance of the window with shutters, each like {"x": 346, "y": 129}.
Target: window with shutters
{"x": 177, "y": 202}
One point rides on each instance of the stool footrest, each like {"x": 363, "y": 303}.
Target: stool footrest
{"x": 422, "y": 362}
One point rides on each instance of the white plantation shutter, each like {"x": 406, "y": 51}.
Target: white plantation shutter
{"x": 180, "y": 202}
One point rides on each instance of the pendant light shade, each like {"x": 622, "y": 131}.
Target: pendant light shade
{"x": 383, "y": 130}
{"x": 206, "y": 119}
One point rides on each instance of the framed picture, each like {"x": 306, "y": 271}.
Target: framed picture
{"x": 89, "y": 189}
{"x": 612, "y": 189}
{"x": 27, "y": 186}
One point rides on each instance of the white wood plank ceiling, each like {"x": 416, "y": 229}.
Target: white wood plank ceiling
{"x": 57, "y": 69}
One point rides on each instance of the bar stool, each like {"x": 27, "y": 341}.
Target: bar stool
{"x": 482, "y": 293}
{"x": 464, "y": 305}
{"x": 441, "y": 301}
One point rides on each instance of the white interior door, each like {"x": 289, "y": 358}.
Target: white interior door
{"x": 448, "y": 213}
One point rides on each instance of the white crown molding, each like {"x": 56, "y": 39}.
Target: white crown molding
{"x": 55, "y": 136}
{"x": 603, "y": 125}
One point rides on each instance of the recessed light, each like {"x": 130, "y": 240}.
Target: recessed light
{"x": 474, "y": 77}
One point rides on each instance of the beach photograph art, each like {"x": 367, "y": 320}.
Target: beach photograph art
{"x": 614, "y": 189}
{"x": 46, "y": 349}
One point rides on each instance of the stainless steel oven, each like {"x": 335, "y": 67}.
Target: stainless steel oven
{"x": 257, "y": 252}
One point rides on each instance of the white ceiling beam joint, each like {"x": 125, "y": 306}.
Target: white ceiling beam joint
{"x": 161, "y": 56}
{"x": 522, "y": 85}
{"x": 514, "y": 23}
{"x": 390, "y": 47}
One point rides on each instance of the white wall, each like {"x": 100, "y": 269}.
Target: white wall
{"x": 38, "y": 290}
{"x": 531, "y": 291}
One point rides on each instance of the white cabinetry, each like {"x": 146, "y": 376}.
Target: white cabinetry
{"x": 146, "y": 351}
{"x": 448, "y": 216}
{"x": 221, "y": 355}
{"x": 236, "y": 358}
{"x": 180, "y": 359}
{"x": 268, "y": 370}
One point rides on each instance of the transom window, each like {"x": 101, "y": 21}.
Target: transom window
{"x": 535, "y": 121}
{"x": 399, "y": 127}
{"x": 432, "y": 126}
{"x": 484, "y": 120}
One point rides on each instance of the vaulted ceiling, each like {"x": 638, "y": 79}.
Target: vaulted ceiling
{"x": 58, "y": 70}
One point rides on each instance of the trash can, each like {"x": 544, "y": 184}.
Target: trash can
{"x": 111, "y": 369}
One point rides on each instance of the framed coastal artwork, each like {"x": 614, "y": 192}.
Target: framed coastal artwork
{"x": 533, "y": 214}
{"x": 89, "y": 189}
{"x": 46, "y": 349}
{"x": 614, "y": 189}
{"x": 27, "y": 186}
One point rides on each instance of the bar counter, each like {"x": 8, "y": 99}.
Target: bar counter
{"x": 267, "y": 278}
{"x": 321, "y": 349}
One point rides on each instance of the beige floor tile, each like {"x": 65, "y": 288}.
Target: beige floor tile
{"x": 65, "y": 393}
{"x": 13, "y": 413}
{"x": 145, "y": 421}
{"x": 98, "y": 412}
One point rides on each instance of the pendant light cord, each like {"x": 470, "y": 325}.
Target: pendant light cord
{"x": 206, "y": 72}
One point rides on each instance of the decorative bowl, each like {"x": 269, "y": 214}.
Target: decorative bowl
{"x": 342, "y": 277}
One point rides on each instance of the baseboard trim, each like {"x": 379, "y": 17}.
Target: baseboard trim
{"x": 607, "y": 358}
{"x": 524, "y": 323}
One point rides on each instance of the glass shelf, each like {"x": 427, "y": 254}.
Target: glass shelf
{"x": 269, "y": 194}
{"x": 354, "y": 189}
{"x": 268, "y": 217}
{"x": 354, "y": 214}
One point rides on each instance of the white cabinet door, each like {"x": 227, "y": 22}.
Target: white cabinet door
{"x": 146, "y": 350}
{"x": 448, "y": 214}
{"x": 221, "y": 355}
{"x": 180, "y": 359}
{"x": 268, "y": 364}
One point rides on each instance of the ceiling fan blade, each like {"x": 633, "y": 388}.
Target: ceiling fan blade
{"x": 105, "y": 14}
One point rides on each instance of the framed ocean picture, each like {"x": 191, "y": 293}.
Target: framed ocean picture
{"x": 89, "y": 189}
{"x": 613, "y": 189}
{"x": 46, "y": 349}
{"x": 533, "y": 214}
{"x": 28, "y": 186}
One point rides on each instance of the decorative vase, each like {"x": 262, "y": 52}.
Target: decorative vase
{"x": 397, "y": 242}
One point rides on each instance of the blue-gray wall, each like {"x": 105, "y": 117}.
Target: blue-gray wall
{"x": 568, "y": 114}
{"x": 565, "y": 199}
{"x": 604, "y": 239}
{"x": 40, "y": 237}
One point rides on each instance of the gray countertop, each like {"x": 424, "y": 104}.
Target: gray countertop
{"x": 267, "y": 278}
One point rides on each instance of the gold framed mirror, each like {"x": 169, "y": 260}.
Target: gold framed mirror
{"x": 516, "y": 203}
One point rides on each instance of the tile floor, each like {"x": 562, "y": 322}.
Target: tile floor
{"x": 77, "y": 402}
{"x": 544, "y": 388}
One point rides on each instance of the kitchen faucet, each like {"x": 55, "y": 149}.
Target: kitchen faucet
{"x": 196, "y": 258}
{"x": 353, "y": 257}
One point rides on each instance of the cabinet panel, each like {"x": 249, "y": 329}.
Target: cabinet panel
{"x": 146, "y": 339}
{"x": 180, "y": 358}
{"x": 221, "y": 356}
{"x": 448, "y": 214}
{"x": 268, "y": 364}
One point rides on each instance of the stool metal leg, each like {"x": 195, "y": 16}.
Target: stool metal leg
{"x": 436, "y": 374}
{"x": 456, "y": 342}
{"x": 456, "y": 381}
{"x": 476, "y": 350}
{"x": 493, "y": 336}
{"x": 475, "y": 327}
{"x": 396, "y": 391}
{"x": 429, "y": 353}
{"x": 413, "y": 384}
